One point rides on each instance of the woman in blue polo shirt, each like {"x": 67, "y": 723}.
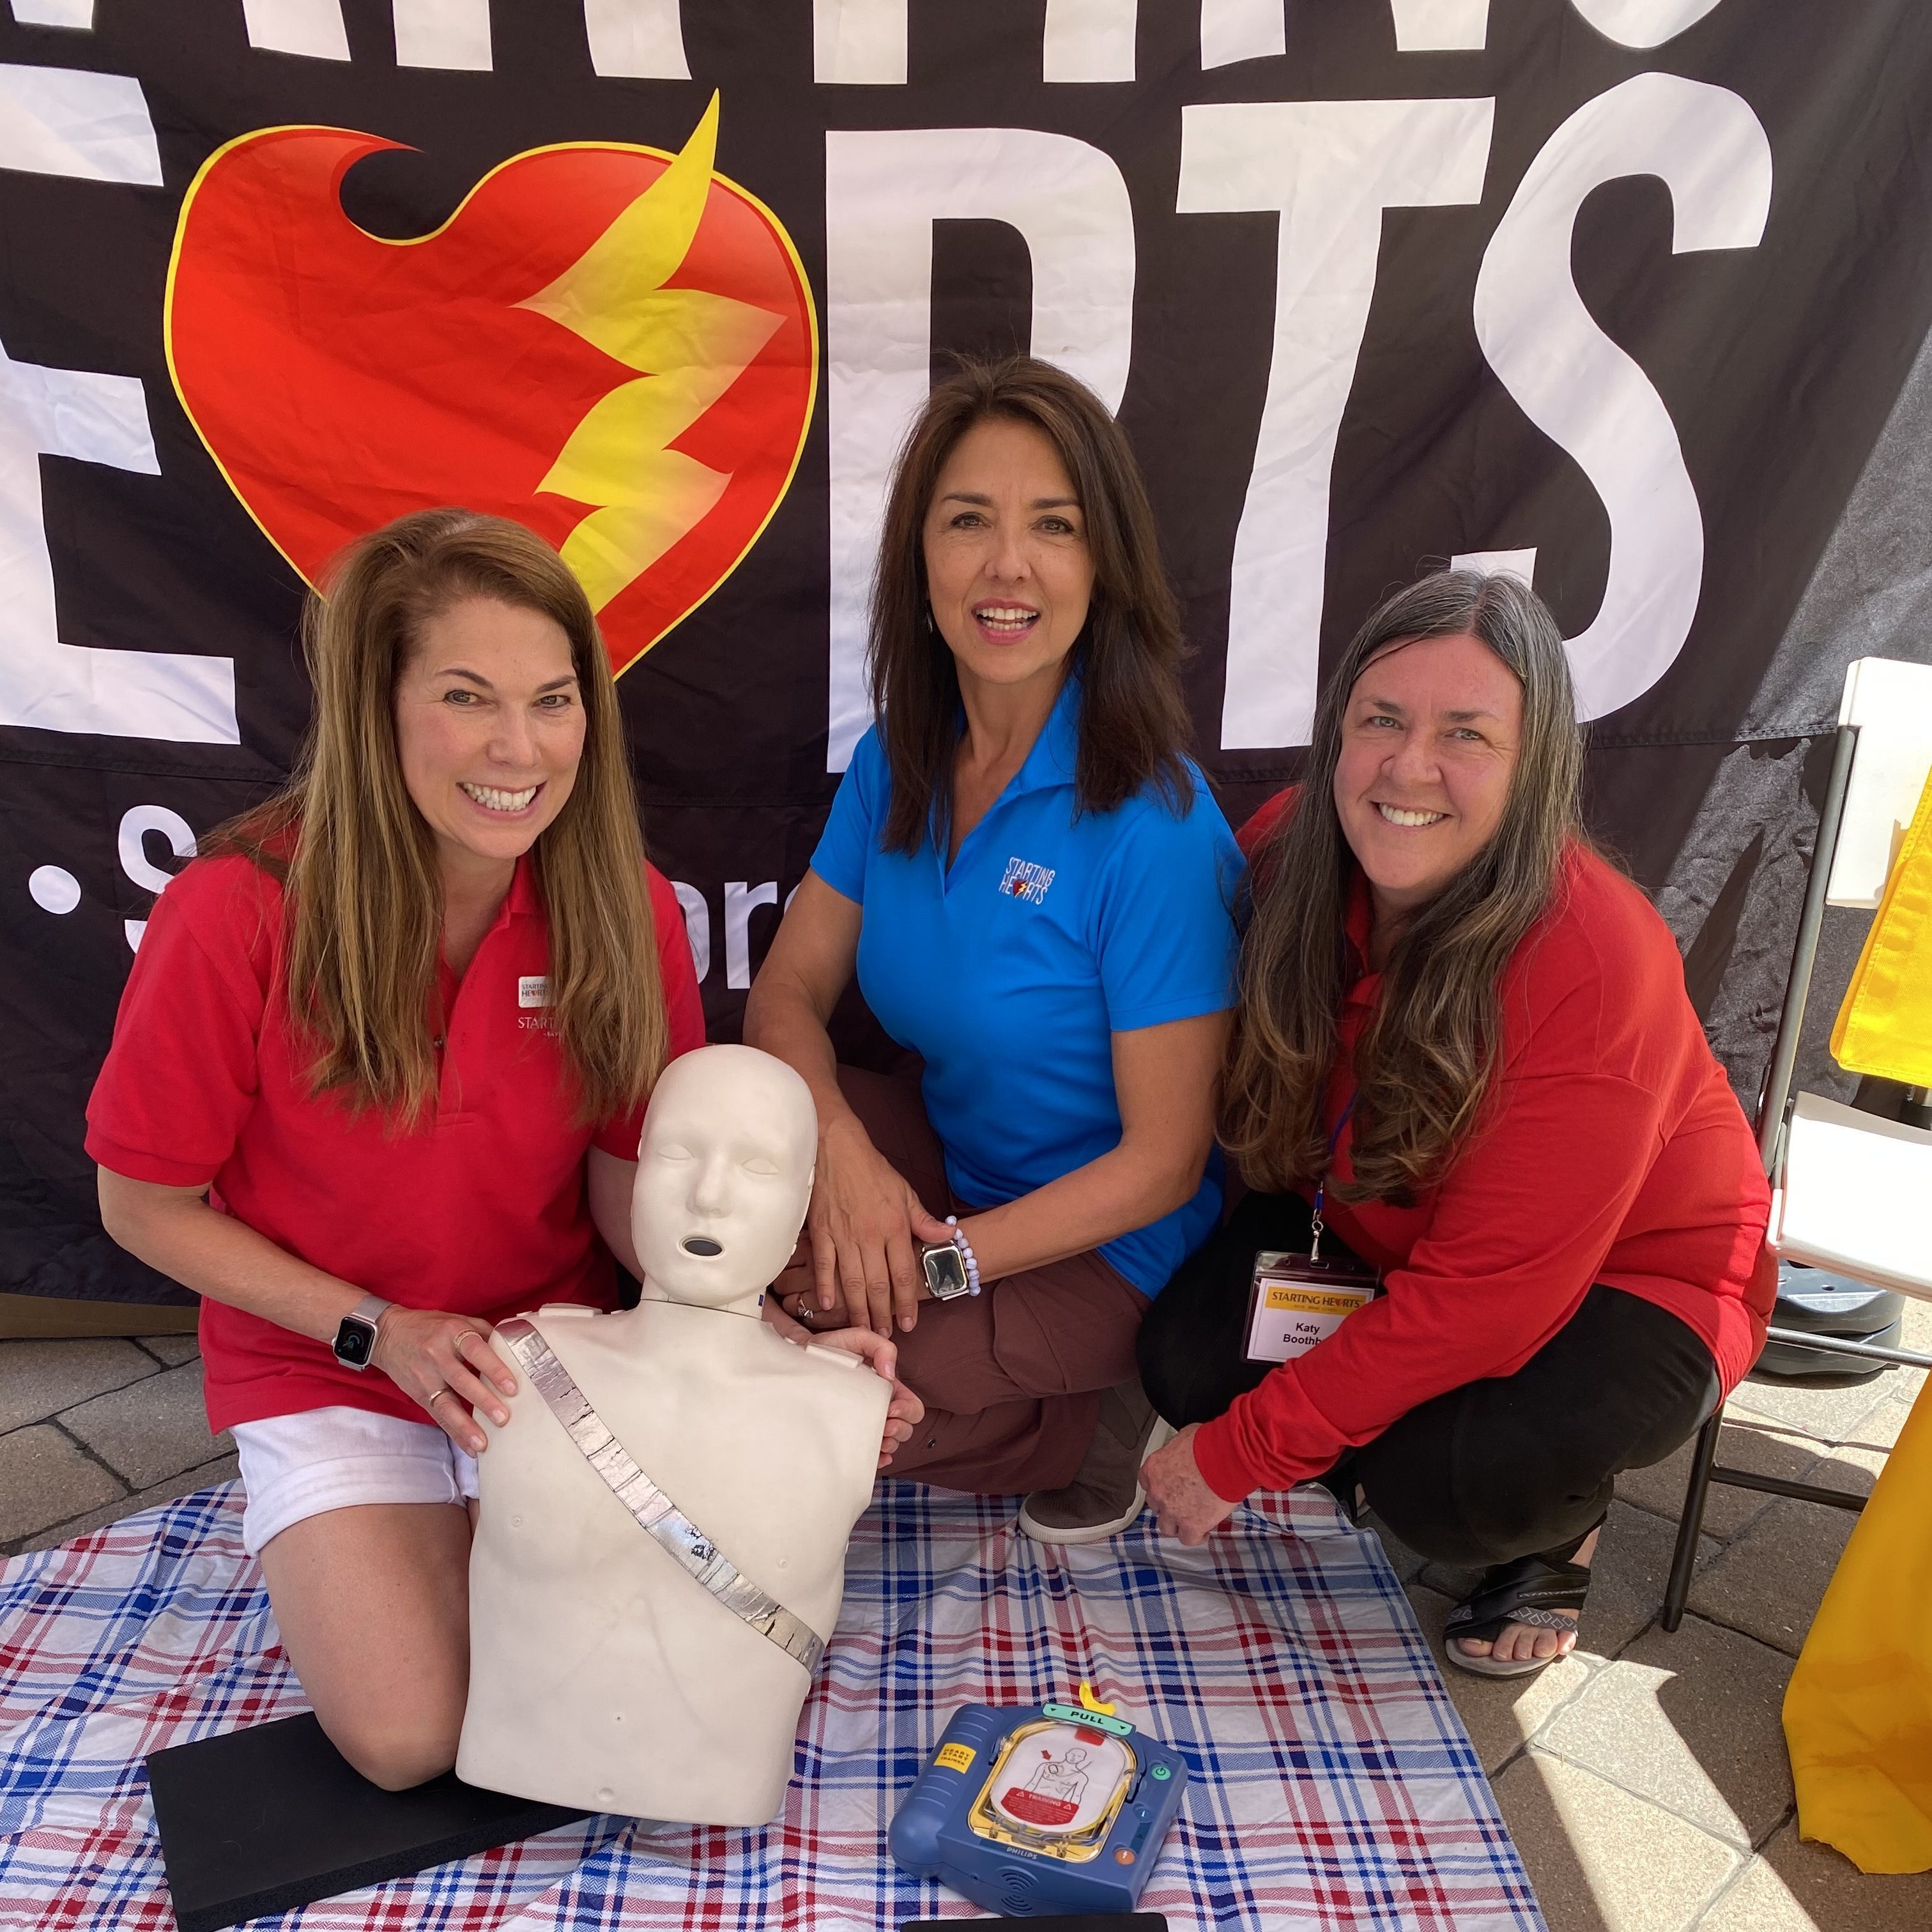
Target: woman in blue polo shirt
{"x": 1034, "y": 886}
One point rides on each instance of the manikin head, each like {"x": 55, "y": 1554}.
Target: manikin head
{"x": 723, "y": 1176}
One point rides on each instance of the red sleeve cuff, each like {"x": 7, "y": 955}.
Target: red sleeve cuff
{"x": 137, "y": 1165}
{"x": 1219, "y": 1463}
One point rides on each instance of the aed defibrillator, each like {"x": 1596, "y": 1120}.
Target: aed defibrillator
{"x": 1053, "y": 1808}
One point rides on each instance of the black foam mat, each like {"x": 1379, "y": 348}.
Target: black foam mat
{"x": 266, "y": 1819}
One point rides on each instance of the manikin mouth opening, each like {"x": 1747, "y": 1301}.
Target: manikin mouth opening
{"x": 700, "y": 1244}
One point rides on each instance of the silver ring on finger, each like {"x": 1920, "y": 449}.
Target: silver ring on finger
{"x": 429, "y": 1400}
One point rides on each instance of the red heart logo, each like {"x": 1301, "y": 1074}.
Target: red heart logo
{"x": 613, "y": 345}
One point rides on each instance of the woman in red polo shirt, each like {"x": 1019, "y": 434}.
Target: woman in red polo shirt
{"x": 1465, "y": 1037}
{"x": 377, "y": 1082}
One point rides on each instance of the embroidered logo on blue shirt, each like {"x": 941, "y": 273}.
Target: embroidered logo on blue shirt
{"x": 1025, "y": 880}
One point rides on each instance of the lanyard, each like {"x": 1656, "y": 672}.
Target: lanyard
{"x": 1316, "y": 1230}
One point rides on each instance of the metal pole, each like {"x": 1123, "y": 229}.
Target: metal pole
{"x": 1804, "y": 952}
{"x": 1830, "y": 1345}
{"x": 1684, "y": 1559}
{"x": 1782, "y": 1485}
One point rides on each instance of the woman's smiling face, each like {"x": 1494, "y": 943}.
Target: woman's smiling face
{"x": 1008, "y": 573}
{"x": 1429, "y": 745}
{"x": 489, "y": 727}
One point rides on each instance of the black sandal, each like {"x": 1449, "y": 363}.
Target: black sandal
{"x": 1529, "y": 1591}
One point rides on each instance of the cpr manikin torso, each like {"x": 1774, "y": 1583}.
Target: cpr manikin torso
{"x": 602, "y": 1675}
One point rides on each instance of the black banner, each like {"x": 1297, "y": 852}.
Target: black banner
{"x": 1627, "y": 295}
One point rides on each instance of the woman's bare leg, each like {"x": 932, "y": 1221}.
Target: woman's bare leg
{"x": 373, "y": 1607}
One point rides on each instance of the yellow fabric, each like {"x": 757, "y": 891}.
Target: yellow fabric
{"x": 1885, "y": 1026}
{"x": 1857, "y": 1716}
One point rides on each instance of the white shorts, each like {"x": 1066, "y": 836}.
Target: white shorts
{"x": 297, "y": 1466}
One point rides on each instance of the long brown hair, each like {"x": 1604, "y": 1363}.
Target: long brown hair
{"x": 1424, "y": 1063}
{"x": 363, "y": 924}
{"x": 1133, "y": 722}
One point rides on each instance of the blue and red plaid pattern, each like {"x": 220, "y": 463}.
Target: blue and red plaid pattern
{"x": 1334, "y": 1786}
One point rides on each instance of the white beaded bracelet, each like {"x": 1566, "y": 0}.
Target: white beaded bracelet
{"x": 965, "y": 1248}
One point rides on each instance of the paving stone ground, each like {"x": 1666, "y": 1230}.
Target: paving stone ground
{"x": 1645, "y": 1778}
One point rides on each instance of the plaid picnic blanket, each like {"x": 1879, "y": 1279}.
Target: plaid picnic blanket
{"x": 1333, "y": 1786}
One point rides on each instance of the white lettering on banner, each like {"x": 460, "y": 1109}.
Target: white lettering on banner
{"x": 1498, "y": 563}
{"x": 53, "y": 889}
{"x": 1448, "y": 26}
{"x": 1581, "y": 390}
{"x": 88, "y": 127}
{"x": 1328, "y": 168}
{"x": 43, "y": 683}
{"x": 642, "y": 40}
{"x": 1642, "y": 23}
{"x": 136, "y": 824}
{"x": 1089, "y": 40}
{"x": 696, "y": 927}
{"x": 55, "y": 13}
{"x": 443, "y": 33}
{"x": 883, "y": 193}
{"x": 859, "y": 43}
{"x": 740, "y": 902}
{"x": 863, "y": 43}
{"x": 311, "y": 27}
{"x": 1242, "y": 30}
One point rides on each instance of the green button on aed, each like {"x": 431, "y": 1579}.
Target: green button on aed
{"x": 1161, "y": 1771}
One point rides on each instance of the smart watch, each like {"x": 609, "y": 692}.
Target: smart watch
{"x": 355, "y": 1344}
{"x": 945, "y": 1268}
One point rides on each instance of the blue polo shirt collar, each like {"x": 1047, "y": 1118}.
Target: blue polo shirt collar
{"x": 1055, "y": 756}
{"x": 1050, "y": 765}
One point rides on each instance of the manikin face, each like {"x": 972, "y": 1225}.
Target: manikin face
{"x": 1007, "y": 570}
{"x": 490, "y": 729}
{"x": 724, "y": 1174}
{"x": 1429, "y": 742}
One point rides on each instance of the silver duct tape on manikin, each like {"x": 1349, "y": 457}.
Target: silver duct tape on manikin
{"x": 659, "y": 1518}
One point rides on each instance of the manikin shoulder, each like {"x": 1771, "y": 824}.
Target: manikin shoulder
{"x": 667, "y": 1345}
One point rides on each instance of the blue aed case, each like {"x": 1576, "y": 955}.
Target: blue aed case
{"x": 1059, "y": 1808}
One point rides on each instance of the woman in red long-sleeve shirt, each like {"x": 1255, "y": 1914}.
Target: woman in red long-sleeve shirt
{"x": 1476, "y": 1031}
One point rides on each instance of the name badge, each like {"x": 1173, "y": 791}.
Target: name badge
{"x": 533, "y": 990}
{"x": 1296, "y": 1301}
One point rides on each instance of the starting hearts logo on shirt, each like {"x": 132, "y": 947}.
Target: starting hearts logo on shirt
{"x": 613, "y": 345}
{"x": 1024, "y": 880}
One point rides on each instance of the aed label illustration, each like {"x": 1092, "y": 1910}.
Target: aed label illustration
{"x": 613, "y": 345}
{"x": 1063, "y": 1779}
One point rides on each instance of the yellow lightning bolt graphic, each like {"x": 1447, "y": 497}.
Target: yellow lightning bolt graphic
{"x": 688, "y": 347}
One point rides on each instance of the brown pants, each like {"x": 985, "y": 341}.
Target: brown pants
{"x": 1011, "y": 1378}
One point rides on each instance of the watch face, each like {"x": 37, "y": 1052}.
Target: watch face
{"x": 355, "y": 1342}
{"x": 945, "y": 1271}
